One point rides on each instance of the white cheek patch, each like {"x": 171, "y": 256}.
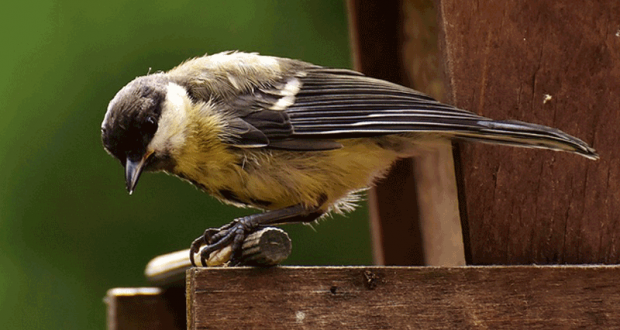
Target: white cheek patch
{"x": 176, "y": 97}
{"x": 170, "y": 134}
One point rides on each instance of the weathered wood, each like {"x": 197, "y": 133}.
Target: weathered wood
{"x": 145, "y": 308}
{"x": 553, "y": 63}
{"x": 414, "y": 210}
{"x": 266, "y": 247}
{"x": 518, "y": 297}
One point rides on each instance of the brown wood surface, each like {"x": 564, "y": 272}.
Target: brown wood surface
{"x": 376, "y": 37}
{"x": 414, "y": 210}
{"x": 266, "y": 247}
{"x": 517, "y": 297}
{"x": 434, "y": 172}
{"x": 145, "y": 308}
{"x": 555, "y": 63}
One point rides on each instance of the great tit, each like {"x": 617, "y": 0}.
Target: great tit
{"x": 288, "y": 137}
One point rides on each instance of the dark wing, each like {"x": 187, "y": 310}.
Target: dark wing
{"x": 336, "y": 103}
{"x": 332, "y": 104}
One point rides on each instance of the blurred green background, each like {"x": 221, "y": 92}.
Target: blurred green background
{"x": 68, "y": 229}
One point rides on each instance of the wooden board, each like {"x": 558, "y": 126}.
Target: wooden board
{"x": 553, "y": 63}
{"x": 145, "y": 308}
{"x": 518, "y": 297}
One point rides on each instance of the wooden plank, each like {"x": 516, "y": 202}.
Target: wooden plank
{"x": 533, "y": 297}
{"x": 414, "y": 210}
{"x": 145, "y": 308}
{"x": 553, "y": 63}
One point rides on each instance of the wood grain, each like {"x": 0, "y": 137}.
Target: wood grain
{"x": 434, "y": 172}
{"x": 376, "y": 36}
{"x": 414, "y": 210}
{"x": 517, "y": 297}
{"x": 552, "y": 63}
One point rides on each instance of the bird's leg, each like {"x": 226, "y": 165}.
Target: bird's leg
{"x": 235, "y": 232}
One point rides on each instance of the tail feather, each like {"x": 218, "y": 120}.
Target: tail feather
{"x": 516, "y": 133}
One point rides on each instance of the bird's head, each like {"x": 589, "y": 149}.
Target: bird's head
{"x": 142, "y": 125}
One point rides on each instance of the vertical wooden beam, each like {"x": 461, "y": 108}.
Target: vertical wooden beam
{"x": 414, "y": 211}
{"x": 375, "y": 37}
{"x": 440, "y": 223}
{"x": 553, "y": 63}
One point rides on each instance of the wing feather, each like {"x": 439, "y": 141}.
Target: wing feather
{"x": 341, "y": 103}
{"x": 313, "y": 106}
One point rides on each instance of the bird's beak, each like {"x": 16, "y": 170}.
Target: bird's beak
{"x": 133, "y": 169}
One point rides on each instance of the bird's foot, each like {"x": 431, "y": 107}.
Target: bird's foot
{"x": 232, "y": 234}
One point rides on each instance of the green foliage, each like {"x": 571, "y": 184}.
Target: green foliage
{"x": 68, "y": 229}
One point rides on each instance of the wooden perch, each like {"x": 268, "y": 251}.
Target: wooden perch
{"x": 266, "y": 247}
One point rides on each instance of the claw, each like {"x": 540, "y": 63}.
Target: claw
{"x": 209, "y": 234}
{"x": 219, "y": 244}
{"x": 232, "y": 234}
{"x": 235, "y": 232}
{"x": 195, "y": 248}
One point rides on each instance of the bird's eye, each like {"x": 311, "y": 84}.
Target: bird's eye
{"x": 150, "y": 124}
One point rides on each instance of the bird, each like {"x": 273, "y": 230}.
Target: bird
{"x": 295, "y": 140}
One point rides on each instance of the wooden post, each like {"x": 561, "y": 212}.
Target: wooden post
{"x": 146, "y": 308}
{"x": 394, "y": 215}
{"x": 552, "y": 63}
{"x": 414, "y": 210}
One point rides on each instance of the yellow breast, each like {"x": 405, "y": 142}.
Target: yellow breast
{"x": 274, "y": 179}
